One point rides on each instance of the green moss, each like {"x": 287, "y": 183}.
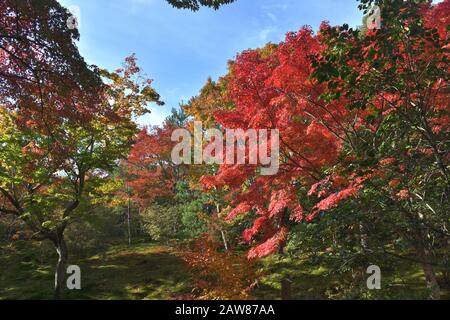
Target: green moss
{"x": 137, "y": 272}
{"x": 150, "y": 271}
{"x": 310, "y": 281}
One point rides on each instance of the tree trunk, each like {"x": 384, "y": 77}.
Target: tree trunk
{"x": 60, "y": 273}
{"x": 129, "y": 221}
{"x": 224, "y": 239}
{"x": 363, "y": 236}
{"x": 430, "y": 276}
{"x": 286, "y": 287}
{"x": 446, "y": 272}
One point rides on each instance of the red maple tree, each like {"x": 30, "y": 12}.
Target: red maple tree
{"x": 326, "y": 119}
{"x": 151, "y": 174}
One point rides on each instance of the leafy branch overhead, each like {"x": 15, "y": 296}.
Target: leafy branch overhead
{"x": 196, "y": 4}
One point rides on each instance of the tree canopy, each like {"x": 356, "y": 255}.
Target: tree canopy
{"x": 195, "y": 5}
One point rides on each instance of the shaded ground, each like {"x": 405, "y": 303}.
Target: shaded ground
{"x": 310, "y": 282}
{"x": 122, "y": 272}
{"x": 150, "y": 271}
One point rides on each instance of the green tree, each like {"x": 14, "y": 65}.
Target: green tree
{"x": 162, "y": 222}
{"x": 45, "y": 175}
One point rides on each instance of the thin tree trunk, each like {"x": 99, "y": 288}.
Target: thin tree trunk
{"x": 224, "y": 238}
{"x": 446, "y": 273}
{"x": 363, "y": 236}
{"x": 129, "y": 221}
{"x": 286, "y": 287}
{"x": 430, "y": 276}
{"x": 63, "y": 255}
{"x": 286, "y": 283}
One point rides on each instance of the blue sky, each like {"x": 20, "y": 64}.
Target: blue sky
{"x": 179, "y": 49}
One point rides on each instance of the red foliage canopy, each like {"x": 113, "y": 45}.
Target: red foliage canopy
{"x": 150, "y": 169}
{"x": 272, "y": 88}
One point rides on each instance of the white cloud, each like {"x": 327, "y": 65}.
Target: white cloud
{"x": 276, "y": 6}
{"x": 155, "y": 118}
{"x": 264, "y": 34}
{"x": 136, "y": 5}
{"x": 272, "y": 17}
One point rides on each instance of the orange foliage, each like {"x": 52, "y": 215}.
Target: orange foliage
{"x": 217, "y": 274}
